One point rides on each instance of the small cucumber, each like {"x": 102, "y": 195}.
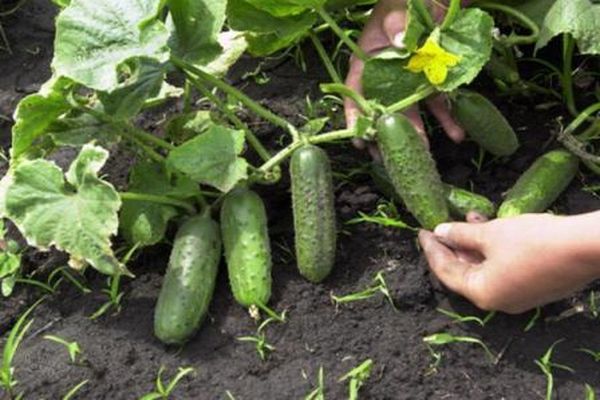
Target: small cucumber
{"x": 459, "y": 201}
{"x": 189, "y": 282}
{"x": 497, "y": 68}
{"x": 412, "y": 170}
{"x": 484, "y": 123}
{"x": 314, "y": 212}
{"x": 541, "y": 184}
{"x": 247, "y": 248}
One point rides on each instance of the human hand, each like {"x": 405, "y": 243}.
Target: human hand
{"x": 385, "y": 28}
{"x": 515, "y": 264}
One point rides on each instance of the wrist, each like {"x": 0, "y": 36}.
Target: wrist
{"x": 581, "y": 240}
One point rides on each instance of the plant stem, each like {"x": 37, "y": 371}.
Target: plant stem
{"x": 451, "y": 14}
{"x": 333, "y": 74}
{"x": 143, "y": 135}
{"x": 410, "y": 100}
{"x": 567, "y": 73}
{"x": 153, "y": 198}
{"x": 149, "y": 150}
{"x": 523, "y": 19}
{"x": 358, "y": 52}
{"x": 346, "y": 91}
{"x": 250, "y": 137}
{"x": 585, "y": 114}
{"x": 423, "y": 11}
{"x": 187, "y": 97}
{"x": 5, "y": 40}
{"x": 232, "y": 91}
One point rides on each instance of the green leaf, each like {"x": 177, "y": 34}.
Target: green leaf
{"x": 197, "y": 26}
{"x": 36, "y": 112}
{"x": 144, "y": 222}
{"x": 536, "y": 10}
{"x": 212, "y": 158}
{"x": 94, "y": 37}
{"x": 9, "y": 264}
{"x": 234, "y": 45}
{"x": 416, "y": 27}
{"x": 580, "y": 18}
{"x": 284, "y": 8}
{"x": 186, "y": 126}
{"x": 8, "y": 285}
{"x": 75, "y": 212}
{"x": 79, "y": 129}
{"x": 144, "y": 80}
{"x": 388, "y": 80}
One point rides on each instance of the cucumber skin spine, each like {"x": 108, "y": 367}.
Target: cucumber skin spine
{"x": 541, "y": 184}
{"x": 459, "y": 201}
{"x": 412, "y": 170}
{"x": 484, "y": 123}
{"x": 314, "y": 212}
{"x": 189, "y": 282}
{"x": 247, "y": 248}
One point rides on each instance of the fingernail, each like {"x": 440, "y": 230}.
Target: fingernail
{"x": 399, "y": 40}
{"x": 442, "y": 230}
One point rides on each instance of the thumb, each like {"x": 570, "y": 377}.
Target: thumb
{"x": 393, "y": 27}
{"x": 460, "y": 235}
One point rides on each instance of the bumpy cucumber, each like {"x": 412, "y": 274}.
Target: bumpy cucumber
{"x": 541, "y": 184}
{"x": 412, "y": 170}
{"x": 484, "y": 123}
{"x": 189, "y": 282}
{"x": 314, "y": 212}
{"x": 459, "y": 201}
{"x": 247, "y": 248}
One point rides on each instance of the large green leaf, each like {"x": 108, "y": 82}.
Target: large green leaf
{"x": 234, "y": 45}
{"x": 416, "y": 27}
{"x": 76, "y": 129}
{"x": 284, "y": 8}
{"x": 75, "y": 212}
{"x": 94, "y": 37}
{"x": 580, "y": 18}
{"x": 197, "y": 26}
{"x": 36, "y": 112}
{"x": 536, "y": 10}
{"x": 212, "y": 158}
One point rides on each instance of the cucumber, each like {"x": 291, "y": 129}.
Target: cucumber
{"x": 484, "y": 123}
{"x": 189, "y": 282}
{"x": 497, "y": 68}
{"x": 247, "y": 248}
{"x": 459, "y": 201}
{"x": 412, "y": 170}
{"x": 541, "y": 184}
{"x": 314, "y": 212}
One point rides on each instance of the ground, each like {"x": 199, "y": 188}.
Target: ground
{"x": 122, "y": 357}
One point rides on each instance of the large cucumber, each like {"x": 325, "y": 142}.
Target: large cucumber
{"x": 314, "y": 212}
{"x": 541, "y": 184}
{"x": 412, "y": 170}
{"x": 484, "y": 123}
{"x": 459, "y": 201}
{"x": 189, "y": 282}
{"x": 247, "y": 248}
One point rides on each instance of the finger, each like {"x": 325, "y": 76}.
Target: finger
{"x": 461, "y": 235}
{"x": 414, "y": 117}
{"x": 393, "y": 27}
{"x": 375, "y": 153}
{"x": 475, "y": 218}
{"x": 444, "y": 263}
{"x": 354, "y": 82}
{"x": 439, "y": 109}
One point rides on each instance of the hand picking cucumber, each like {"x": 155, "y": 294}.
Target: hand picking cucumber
{"x": 412, "y": 170}
{"x": 247, "y": 248}
{"x": 459, "y": 201}
{"x": 541, "y": 184}
{"x": 189, "y": 281}
{"x": 314, "y": 212}
{"x": 484, "y": 123}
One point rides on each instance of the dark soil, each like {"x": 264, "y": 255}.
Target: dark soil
{"x": 122, "y": 357}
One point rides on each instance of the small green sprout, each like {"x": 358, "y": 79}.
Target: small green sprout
{"x": 547, "y": 366}
{"x": 72, "y": 347}
{"x": 445, "y": 338}
{"x": 459, "y": 318}
{"x": 532, "y": 321}
{"x": 318, "y": 393}
{"x": 163, "y": 392}
{"x": 357, "y": 377}
{"x": 594, "y": 354}
{"x": 380, "y": 286}
{"x": 260, "y": 339}
{"x": 590, "y": 393}
{"x": 385, "y": 215}
{"x": 229, "y": 395}
{"x": 75, "y": 390}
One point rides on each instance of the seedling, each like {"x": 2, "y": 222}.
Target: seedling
{"x": 260, "y": 340}
{"x": 380, "y": 286}
{"x": 357, "y": 377}
{"x": 7, "y": 378}
{"x": 595, "y": 354}
{"x": 72, "y": 347}
{"x": 547, "y": 366}
{"x": 459, "y": 318}
{"x": 273, "y": 316}
{"x": 54, "y": 280}
{"x": 71, "y": 393}
{"x": 318, "y": 393}
{"x": 385, "y": 215}
{"x": 590, "y": 393}
{"x": 445, "y": 338}
{"x": 163, "y": 392}
{"x": 533, "y": 319}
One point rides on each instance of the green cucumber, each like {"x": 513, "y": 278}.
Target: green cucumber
{"x": 484, "y": 123}
{"x": 412, "y": 170}
{"x": 541, "y": 184}
{"x": 497, "y": 68}
{"x": 459, "y": 201}
{"x": 247, "y": 248}
{"x": 189, "y": 282}
{"x": 314, "y": 212}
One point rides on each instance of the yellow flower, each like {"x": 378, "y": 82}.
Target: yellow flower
{"x": 433, "y": 60}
